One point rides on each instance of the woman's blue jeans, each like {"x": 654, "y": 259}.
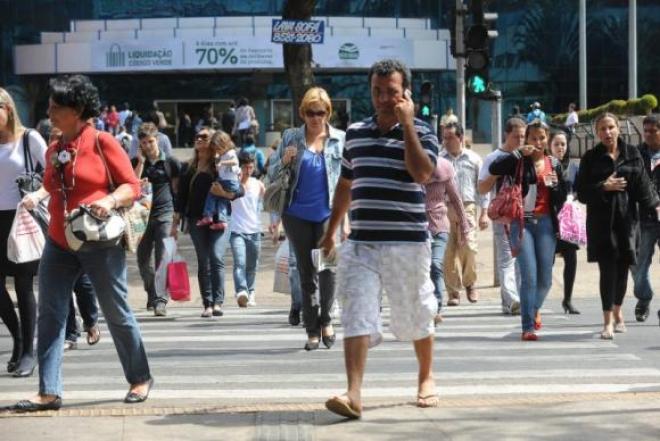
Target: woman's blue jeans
{"x": 438, "y": 246}
{"x": 59, "y": 269}
{"x": 245, "y": 250}
{"x": 210, "y": 247}
{"x": 535, "y": 262}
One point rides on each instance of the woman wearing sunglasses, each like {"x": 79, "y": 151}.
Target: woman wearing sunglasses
{"x": 313, "y": 152}
{"x": 195, "y": 183}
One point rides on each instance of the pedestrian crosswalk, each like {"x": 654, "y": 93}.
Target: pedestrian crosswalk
{"x": 252, "y": 355}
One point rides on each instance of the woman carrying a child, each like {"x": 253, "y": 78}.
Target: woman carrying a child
{"x": 200, "y": 179}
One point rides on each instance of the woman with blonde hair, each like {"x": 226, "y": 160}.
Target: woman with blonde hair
{"x": 313, "y": 152}
{"x": 195, "y": 183}
{"x": 612, "y": 183}
{"x": 16, "y": 143}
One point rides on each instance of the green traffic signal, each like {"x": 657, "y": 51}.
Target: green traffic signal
{"x": 477, "y": 84}
{"x": 426, "y": 110}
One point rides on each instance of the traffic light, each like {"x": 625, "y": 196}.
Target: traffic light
{"x": 426, "y": 101}
{"x": 477, "y": 50}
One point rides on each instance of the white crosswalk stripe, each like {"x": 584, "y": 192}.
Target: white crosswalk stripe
{"x": 254, "y": 355}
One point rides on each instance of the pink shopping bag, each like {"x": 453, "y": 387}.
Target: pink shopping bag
{"x": 178, "y": 283}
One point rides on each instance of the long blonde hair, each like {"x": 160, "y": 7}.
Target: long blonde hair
{"x": 13, "y": 120}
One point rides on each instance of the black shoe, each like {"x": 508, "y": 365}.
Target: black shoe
{"x": 658, "y": 314}
{"x": 133, "y": 398}
{"x": 311, "y": 346}
{"x": 569, "y": 308}
{"x": 642, "y": 311}
{"x": 29, "y": 406}
{"x": 294, "y": 316}
{"x": 329, "y": 340}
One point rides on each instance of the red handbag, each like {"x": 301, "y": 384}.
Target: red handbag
{"x": 178, "y": 283}
{"x": 507, "y": 205}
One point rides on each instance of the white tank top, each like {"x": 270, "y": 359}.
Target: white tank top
{"x": 12, "y": 164}
{"x": 245, "y": 211}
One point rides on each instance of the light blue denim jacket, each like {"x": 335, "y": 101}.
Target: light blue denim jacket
{"x": 332, "y": 151}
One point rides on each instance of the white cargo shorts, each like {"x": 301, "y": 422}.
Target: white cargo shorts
{"x": 401, "y": 271}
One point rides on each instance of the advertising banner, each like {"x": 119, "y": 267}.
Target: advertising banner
{"x": 233, "y": 53}
{"x": 136, "y": 55}
{"x": 298, "y": 31}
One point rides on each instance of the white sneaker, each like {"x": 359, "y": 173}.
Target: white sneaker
{"x": 242, "y": 299}
{"x": 251, "y": 301}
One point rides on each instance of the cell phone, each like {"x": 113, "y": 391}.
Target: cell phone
{"x": 408, "y": 93}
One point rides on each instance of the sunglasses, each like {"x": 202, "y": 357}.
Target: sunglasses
{"x": 202, "y": 137}
{"x": 312, "y": 114}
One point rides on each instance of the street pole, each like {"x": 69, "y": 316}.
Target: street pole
{"x": 583, "y": 54}
{"x": 632, "y": 49}
{"x": 496, "y": 130}
{"x": 460, "y": 63}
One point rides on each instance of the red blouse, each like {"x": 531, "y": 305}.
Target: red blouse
{"x": 86, "y": 174}
{"x": 543, "y": 201}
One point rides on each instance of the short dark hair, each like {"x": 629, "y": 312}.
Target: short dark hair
{"x": 651, "y": 119}
{"x": 147, "y": 129}
{"x": 514, "y": 122}
{"x": 76, "y": 92}
{"x": 243, "y": 102}
{"x": 385, "y": 68}
{"x": 457, "y": 127}
{"x": 246, "y": 158}
{"x": 249, "y": 139}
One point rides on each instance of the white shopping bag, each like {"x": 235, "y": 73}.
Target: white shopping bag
{"x": 281, "y": 281}
{"x": 26, "y": 239}
{"x": 169, "y": 254}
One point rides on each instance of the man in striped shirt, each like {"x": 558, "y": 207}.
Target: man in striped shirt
{"x": 386, "y": 159}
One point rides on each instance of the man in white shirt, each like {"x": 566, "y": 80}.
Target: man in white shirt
{"x": 572, "y": 117}
{"x": 505, "y": 263}
{"x": 460, "y": 266}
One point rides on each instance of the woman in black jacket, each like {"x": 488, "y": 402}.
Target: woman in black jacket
{"x": 611, "y": 182}
{"x": 210, "y": 245}
{"x": 544, "y": 193}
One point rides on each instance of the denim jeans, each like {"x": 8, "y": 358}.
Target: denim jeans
{"x": 89, "y": 310}
{"x": 218, "y": 207}
{"x": 641, "y": 271}
{"x": 157, "y": 230}
{"x": 535, "y": 262}
{"x": 438, "y": 246}
{"x": 58, "y": 271}
{"x": 508, "y": 272}
{"x": 294, "y": 280}
{"x": 245, "y": 250}
{"x": 210, "y": 247}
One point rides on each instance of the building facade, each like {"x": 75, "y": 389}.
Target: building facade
{"x": 535, "y": 57}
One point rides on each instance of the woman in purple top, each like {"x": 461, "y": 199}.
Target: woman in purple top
{"x": 440, "y": 189}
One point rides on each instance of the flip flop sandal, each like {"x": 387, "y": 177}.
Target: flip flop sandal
{"x": 93, "y": 335}
{"x": 343, "y": 408}
{"x": 432, "y": 400}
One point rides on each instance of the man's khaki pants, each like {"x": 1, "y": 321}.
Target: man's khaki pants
{"x": 461, "y": 260}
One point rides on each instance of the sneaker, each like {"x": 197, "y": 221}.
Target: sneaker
{"x": 218, "y": 226}
{"x": 472, "y": 294}
{"x": 642, "y": 310}
{"x": 70, "y": 345}
{"x": 208, "y": 312}
{"x": 437, "y": 319}
{"x": 160, "y": 310}
{"x": 251, "y": 300}
{"x": 242, "y": 299}
{"x": 150, "y": 306}
{"x": 217, "y": 311}
{"x": 206, "y": 220}
{"x": 454, "y": 299}
{"x": 515, "y": 308}
{"x": 294, "y": 316}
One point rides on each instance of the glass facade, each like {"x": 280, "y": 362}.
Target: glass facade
{"x": 535, "y": 57}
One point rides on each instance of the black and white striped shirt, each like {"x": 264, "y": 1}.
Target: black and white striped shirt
{"x": 386, "y": 203}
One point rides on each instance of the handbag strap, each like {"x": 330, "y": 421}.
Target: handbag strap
{"x": 29, "y": 165}
{"x": 105, "y": 163}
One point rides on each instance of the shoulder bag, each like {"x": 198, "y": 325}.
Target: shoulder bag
{"x": 507, "y": 205}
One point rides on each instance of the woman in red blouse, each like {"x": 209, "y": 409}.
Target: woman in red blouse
{"x": 75, "y": 175}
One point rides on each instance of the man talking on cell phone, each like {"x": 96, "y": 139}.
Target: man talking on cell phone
{"x": 386, "y": 160}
